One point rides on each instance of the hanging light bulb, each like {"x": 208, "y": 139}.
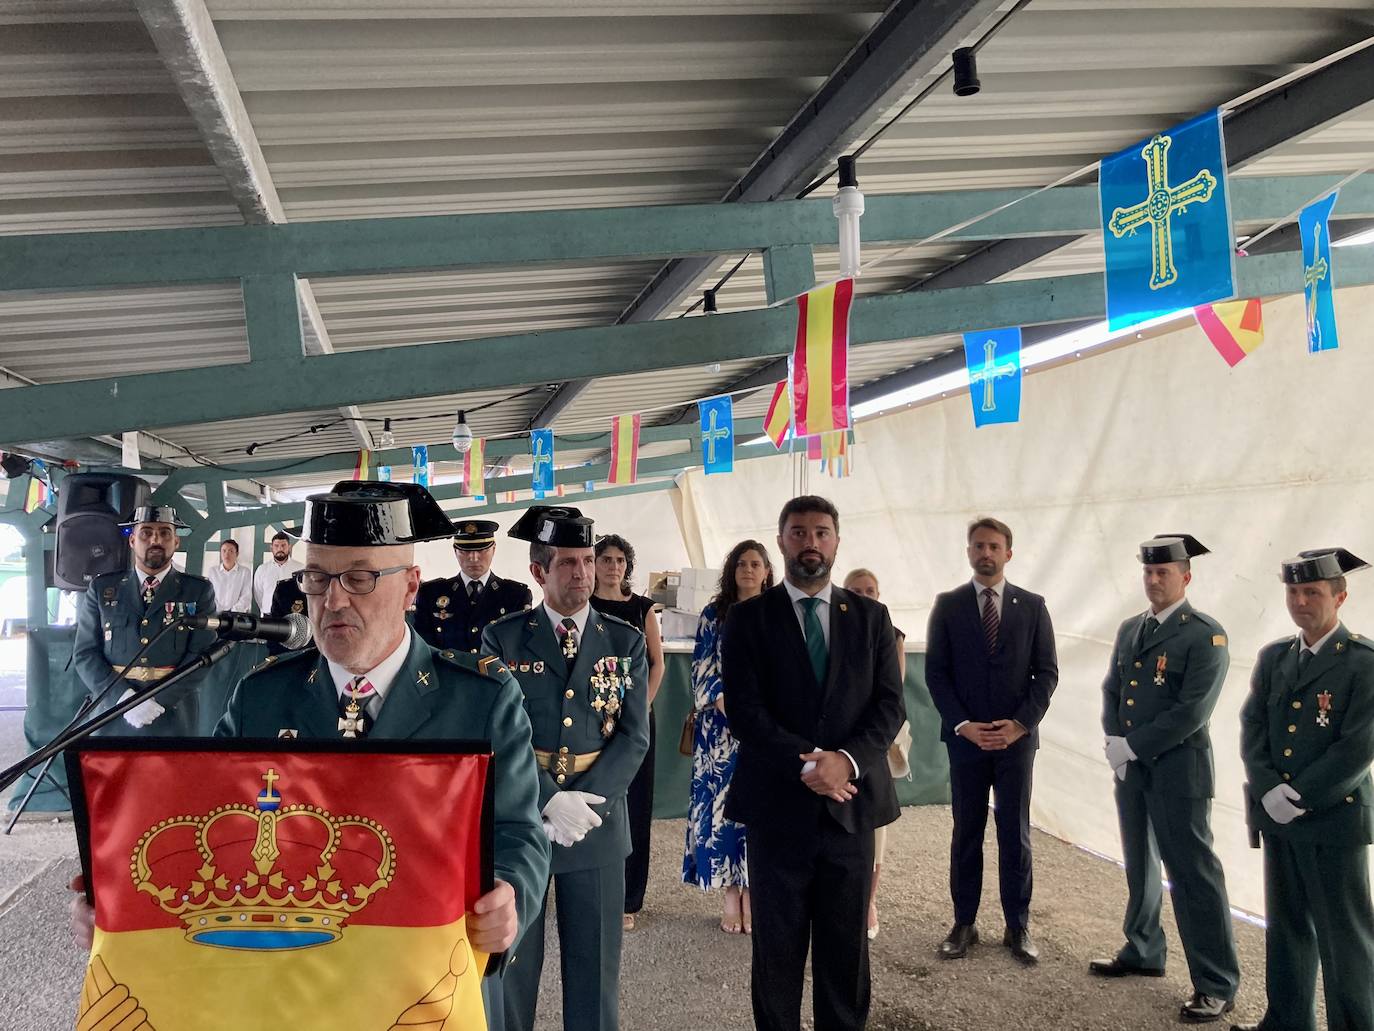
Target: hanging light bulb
{"x": 462, "y": 435}
{"x": 848, "y": 206}
{"x": 708, "y": 303}
{"x": 387, "y": 438}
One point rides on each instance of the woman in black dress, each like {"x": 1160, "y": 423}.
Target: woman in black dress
{"x": 615, "y": 564}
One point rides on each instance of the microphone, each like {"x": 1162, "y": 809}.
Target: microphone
{"x": 292, "y": 631}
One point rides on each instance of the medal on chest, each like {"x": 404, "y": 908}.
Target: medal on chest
{"x": 610, "y": 680}
{"x": 1161, "y": 664}
{"x": 441, "y": 604}
{"x": 353, "y": 721}
{"x": 1324, "y": 708}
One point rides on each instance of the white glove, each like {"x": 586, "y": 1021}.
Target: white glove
{"x": 571, "y": 814}
{"x": 1120, "y": 772}
{"x": 1119, "y": 753}
{"x": 555, "y": 836}
{"x": 143, "y": 713}
{"x": 1278, "y": 803}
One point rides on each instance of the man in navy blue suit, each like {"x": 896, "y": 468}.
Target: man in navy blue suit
{"x": 991, "y": 668}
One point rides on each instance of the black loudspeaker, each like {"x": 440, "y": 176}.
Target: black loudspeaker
{"x": 90, "y": 508}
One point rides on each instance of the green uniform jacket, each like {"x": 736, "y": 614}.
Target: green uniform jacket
{"x": 559, "y": 704}
{"x": 1160, "y": 697}
{"x": 111, "y": 625}
{"x": 1323, "y": 750}
{"x": 436, "y": 695}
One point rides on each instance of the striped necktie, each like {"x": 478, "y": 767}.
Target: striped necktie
{"x": 992, "y": 622}
{"x": 149, "y": 589}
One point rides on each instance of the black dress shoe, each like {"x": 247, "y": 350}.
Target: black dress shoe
{"x": 957, "y": 942}
{"x": 1245, "y": 1027}
{"x": 1115, "y": 968}
{"x": 1019, "y": 941}
{"x": 1203, "y": 1009}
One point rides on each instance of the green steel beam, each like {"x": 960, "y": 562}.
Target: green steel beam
{"x": 73, "y": 261}
{"x": 787, "y": 272}
{"x": 90, "y": 407}
{"x": 272, "y": 312}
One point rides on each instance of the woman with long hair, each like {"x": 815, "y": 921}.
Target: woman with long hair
{"x": 615, "y": 565}
{"x": 715, "y": 855}
{"x": 865, "y": 582}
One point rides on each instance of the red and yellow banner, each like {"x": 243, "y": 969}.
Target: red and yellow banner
{"x": 272, "y": 889}
{"x": 779, "y": 418}
{"x": 474, "y": 462}
{"x": 362, "y": 468}
{"x": 37, "y": 494}
{"x": 624, "y": 449}
{"x": 820, "y": 360}
{"x": 1235, "y": 328}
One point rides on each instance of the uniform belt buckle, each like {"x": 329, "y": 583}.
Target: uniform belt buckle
{"x": 563, "y": 764}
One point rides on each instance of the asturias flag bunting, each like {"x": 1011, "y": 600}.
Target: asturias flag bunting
{"x": 624, "y": 449}
{"x": 779, "y": 418}
{"x": 37, "y": 494}
{"x": 541, "y": 462}
{"x": 250, "y": 888}
{"x": 820, "y": 360}
{"x": 717, "y": 434}
{"x": 419, "y": 460}
{"x": 474, "y": 475}
{"x": 1319, "y": 288}
{"x": 1235, "y": 328}
{"x": 993, "y": 358}
{"x": 1166, "y": 223}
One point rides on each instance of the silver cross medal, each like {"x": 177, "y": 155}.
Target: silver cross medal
{"x": 352, "y": 722}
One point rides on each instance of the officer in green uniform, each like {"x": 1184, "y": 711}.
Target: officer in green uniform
{"x": 452, "y": 612}
{"x": 1307, "y": 739}
{"x": 1165, "y": 676}
{"x": 585, "y": 682}
{"x": 369, "y": 675}
{"x": 122, "y": 612}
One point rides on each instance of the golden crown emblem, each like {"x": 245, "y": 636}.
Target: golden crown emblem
{"x": 265, "y": 876}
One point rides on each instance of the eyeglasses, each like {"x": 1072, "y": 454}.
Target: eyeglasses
{"x": 354, "y": 581}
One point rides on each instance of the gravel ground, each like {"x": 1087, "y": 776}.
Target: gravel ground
{"x": 680, "y": 971}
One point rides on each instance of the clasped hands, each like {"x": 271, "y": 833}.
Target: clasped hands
{"x": 992, "y": 737}
{"x": 569, "y": 815}
{"x": 828, "y": 774}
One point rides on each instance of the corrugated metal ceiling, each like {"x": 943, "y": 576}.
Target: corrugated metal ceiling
{"x": 451, "y": 106}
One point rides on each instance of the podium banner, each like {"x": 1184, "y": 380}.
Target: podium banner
{"x": 256, "y": 884}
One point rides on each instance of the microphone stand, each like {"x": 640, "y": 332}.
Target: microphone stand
{"x": 45, "y": 755}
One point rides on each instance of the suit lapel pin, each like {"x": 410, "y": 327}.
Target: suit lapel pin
{"x": 539, "y": 667}
{"x": 422, "y": 677}
{"x": 1183, "y": 617}
{"x": 844, "y": 607}
{"x": 311, "y": 679}
{"x": 289, "y": 733}
{"x": 524, "y": 667}
{"x": 1340, "y": 646}
{"x": 600, "y": 628}
{"x": 1015, "y": 600}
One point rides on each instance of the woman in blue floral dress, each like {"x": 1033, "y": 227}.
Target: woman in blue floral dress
{"x": 715, "y": 856}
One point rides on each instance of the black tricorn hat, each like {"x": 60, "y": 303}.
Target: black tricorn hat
{"x": 369, "y": 513}
{"x": 1320, "y": 564}
{"x": 555, "y": 525}
{"x": 474, "y": 534}
{"x": 1171, "y": 547}
{"x": 156, "y": 514}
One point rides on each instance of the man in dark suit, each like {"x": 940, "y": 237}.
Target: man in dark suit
{"x": 815, "y": 699}
{"x": 123, "y": 613}
{"x": 991, "y": 668}
{"x": 1164, "y": 679}
{"x": 452, "y": 612}
{"x": 585, "y": 681}
{"x": 1307, "y": 740}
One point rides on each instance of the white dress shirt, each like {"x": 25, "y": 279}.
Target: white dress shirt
{"x": 266, "y": 578}
{"x": 484, "y": 580}
{"x": 233, "y": 587}
{"x": 158, "y": 576}
{"x": 1316, "y": 645}
{"x": 998, "y": 589}
{"x": 579, "y": 617}
{"x": 379, "y": 676}
{"x": 1166, "y": 613}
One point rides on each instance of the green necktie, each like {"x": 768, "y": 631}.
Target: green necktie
{"x": 815, "y": 638}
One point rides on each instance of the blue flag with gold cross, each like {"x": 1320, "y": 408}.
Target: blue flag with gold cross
{"x": 1166, "y": 223}
{"x": 717, "y": 434}
{"x": 541, "y": 462}
{"x": 1318, "y": 285}
{"x": 994, "y": 375}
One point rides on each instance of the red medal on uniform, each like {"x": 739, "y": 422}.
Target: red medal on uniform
{"x": 1161, "y": 664}
{"x": 1324, "y": 709}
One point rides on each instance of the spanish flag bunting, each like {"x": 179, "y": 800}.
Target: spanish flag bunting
{"x": 1235, "y": 328}
{"x": 246, "y": 888}
{"x": 474, "y": 479}
{"x": 362, "y": 468}
{"x": 835, "y": 453}
{"x": 820, "y": 360}
{"x": 37, "y": 495}
{"x": 779, "y": 418}
{"x": 624, "y": 449}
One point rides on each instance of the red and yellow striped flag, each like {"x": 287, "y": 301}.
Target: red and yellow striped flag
{"x": 37, "y": 494}
{"x": 624, "y": 449}
{"x": 1235, "y": 328}
{"x": 779, "y": 418}
{"x": 362, "y": 469}
{"x": 820, "y": 360}
{"x": 474, "y": 462}
{"x": 251, "y": 889}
